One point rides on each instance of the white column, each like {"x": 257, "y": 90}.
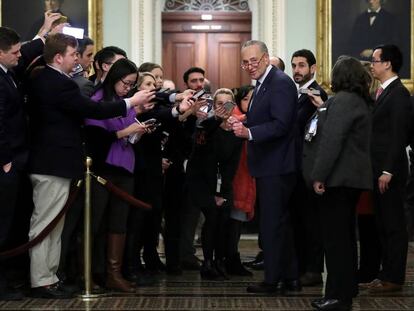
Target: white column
{"x": 146, "y": 31}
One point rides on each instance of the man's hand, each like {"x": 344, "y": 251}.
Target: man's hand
{"x": 315, "y": 99}
{"x": 383, "y": 182}
{"x": 181, "y": 96}
{"x": 7, "y": 167}
{"x": 219, "y": 201}
{"x": 319, "y": 187}
{"x": 240, "y": 130}
{"x": 367, "y": 53}
{"x": 185, "y": 104}
{"x": 50, "y": 18}
{"x": 142, "y": 98}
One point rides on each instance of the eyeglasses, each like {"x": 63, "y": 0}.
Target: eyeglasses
{"x": 373, "y": 61}
{"x": 245, "y": 64}
{"x": 131, "y": 85}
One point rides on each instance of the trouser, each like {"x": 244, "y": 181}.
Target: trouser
{"x": 50, "y": 194}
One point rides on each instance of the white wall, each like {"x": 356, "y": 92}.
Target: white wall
{"x": 117, "y": 24}
{"x": 300, "y": 27}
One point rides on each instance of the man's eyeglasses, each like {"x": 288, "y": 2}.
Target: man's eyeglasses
{"x": 131, "y": 85}
{"x": 373, "y": 61}
{"x": 254, "y": 63}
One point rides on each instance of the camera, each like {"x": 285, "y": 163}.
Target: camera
{"x": 228, "y": 106}
{"x": 152, "y": 123}
{"x": 198, "y": 94}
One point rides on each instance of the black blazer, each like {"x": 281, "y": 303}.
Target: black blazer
{"x": 271, "y": 120}
{"x": 13, "y": 130}
{"x": 339, "y": 153}
{"x": 390, "y": 130}
{"x": 57, "y": 110}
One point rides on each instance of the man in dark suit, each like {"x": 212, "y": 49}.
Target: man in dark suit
{"x": 14, "y": 59}
{"x": 390, "y": 167}
{"x": 56, "y": 157}
{"x": 85, "y": 60}
{"x": 303, "y": 202}
{"x": 373, "y": 27}
{"x": 270, "y": 129}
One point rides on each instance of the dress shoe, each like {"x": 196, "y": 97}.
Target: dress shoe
{"x": 311, "y": 279}
{"x": 50, "y": 292}
{"x": 11, "y": 295}
{"x": 209, "y": 272}
{"x": 258, "y": 258}
{"x": 293, "y": 285}
{"x": 265, "y": 288}
{"x": 67, "y": 287}
{"x": 332, "y": 304}
{"x": 191, "y": 263}
{"x": 373, "y": 283}
{"x": 235, "y": 267}
{"x": 258, "y": 266}
{"x": 316, "y": 302}
{"x": 221, "y": 269}
{"x": 385, "y": 287}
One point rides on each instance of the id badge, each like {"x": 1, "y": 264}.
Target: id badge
{"x": 313, "y": 126}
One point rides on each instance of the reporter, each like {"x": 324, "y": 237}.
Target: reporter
{"x": 110, "y": 145}
{"x": 337, "y": 165}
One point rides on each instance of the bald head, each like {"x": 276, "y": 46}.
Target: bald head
{"x": 277, "y": 62}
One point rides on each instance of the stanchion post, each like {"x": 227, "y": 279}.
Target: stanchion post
{"x": 87, "y": 240}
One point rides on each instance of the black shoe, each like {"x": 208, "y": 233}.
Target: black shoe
{"x": 258, "y": 265}
{"x": 209, "y": 272}
{"x": 265, "y": 288}
{"x": 293, "y": 285}
{"x": 235, "y": 267}
{"x": 332, "y": 304}
{"x": 67, "y": 287}
{"x": 140, "y": 278}
{"x": 311, "y": 279}
{"x": 191, "y": 263}
{"x": 11, "y": 295}
{"x": 316, "y": 302}
{"x": 219, "y": 265}
{"x": 257, "y": 259}
{"x": 50, "y": 292}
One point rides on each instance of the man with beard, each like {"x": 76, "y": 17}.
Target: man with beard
{"x": 303, "y": 203}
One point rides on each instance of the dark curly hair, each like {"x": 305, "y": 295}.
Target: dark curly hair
{"x": 241, "y": 93}
{"x": 348, "y": 74}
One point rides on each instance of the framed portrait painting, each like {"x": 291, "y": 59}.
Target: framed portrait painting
{"x": 26, "y": 17}
{"x": 356, "y": 27}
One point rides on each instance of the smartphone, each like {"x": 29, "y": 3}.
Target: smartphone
{"x": 312, "y": 91}
{"x": 197, "y": 95}
{"x": 229, "y": 105}
{"x": 150, "y": 122}
{"x": 74, "y": 32}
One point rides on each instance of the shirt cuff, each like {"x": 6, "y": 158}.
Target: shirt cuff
{"x": 174, "y": 112}
{"x": 387, "y": 173}
{"x": 172, "y": 97}
{"x": 250, "y": 135}
{"x": 127, "y": 103}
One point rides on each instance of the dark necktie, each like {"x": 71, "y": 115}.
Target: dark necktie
{"x": 256, "y": 90}
{"x": 372, "y": 14}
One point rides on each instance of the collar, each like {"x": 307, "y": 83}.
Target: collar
{"x": 377, "y": 11}
{"x": 58, "y": 70}
{"x": 388, "y": 82}
{"x": 263, "y": 77}
{"x": 4, "y": 68}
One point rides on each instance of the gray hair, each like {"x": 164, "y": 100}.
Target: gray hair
{"x": 260, "y": 44}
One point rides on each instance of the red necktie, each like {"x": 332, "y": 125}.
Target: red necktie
{"x": 378, "y": 93}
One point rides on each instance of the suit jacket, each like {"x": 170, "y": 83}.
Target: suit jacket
{"x": 13, "y": 130}
{"x": 339, "y": 153}
{"x": 57, "y": 110}
{"x": 271, "y": 120}
{"x": 389, "y": 131}
{"x": 384, "y": 30}
{"x": 86, "y": 86}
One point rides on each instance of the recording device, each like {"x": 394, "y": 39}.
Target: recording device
{"x": 312, "y": 91}
{"x": 152, "y": 123}
{"x": 228, "y": 106}
{"x": 74, "y": 32}
{"x": 207, "y": 108}
{"x": 197, "y": 95}
{"x": 162, "y": 95}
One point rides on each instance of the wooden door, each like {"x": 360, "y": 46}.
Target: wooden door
{"x": 214, "y": 46}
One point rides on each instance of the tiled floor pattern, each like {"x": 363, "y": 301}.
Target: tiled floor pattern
{"x": 189, "y": 293}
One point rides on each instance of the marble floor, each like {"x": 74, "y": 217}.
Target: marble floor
{"x": 187, "y": 292}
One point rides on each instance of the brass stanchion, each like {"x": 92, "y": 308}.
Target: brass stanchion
{"x": 87, "y": 236}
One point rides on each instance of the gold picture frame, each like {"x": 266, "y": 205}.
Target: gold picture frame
{"x": 93, "y": 15}
{"x": 324, "y": 44}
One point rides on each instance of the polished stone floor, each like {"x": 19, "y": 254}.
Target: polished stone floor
{"x": 187, "y": 292}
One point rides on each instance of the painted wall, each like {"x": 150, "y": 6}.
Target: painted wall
{"x": 300, "y": 27}
{"x": 117, "y": 24}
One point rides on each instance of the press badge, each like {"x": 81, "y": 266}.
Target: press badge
{"x": 311, "y": 132}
